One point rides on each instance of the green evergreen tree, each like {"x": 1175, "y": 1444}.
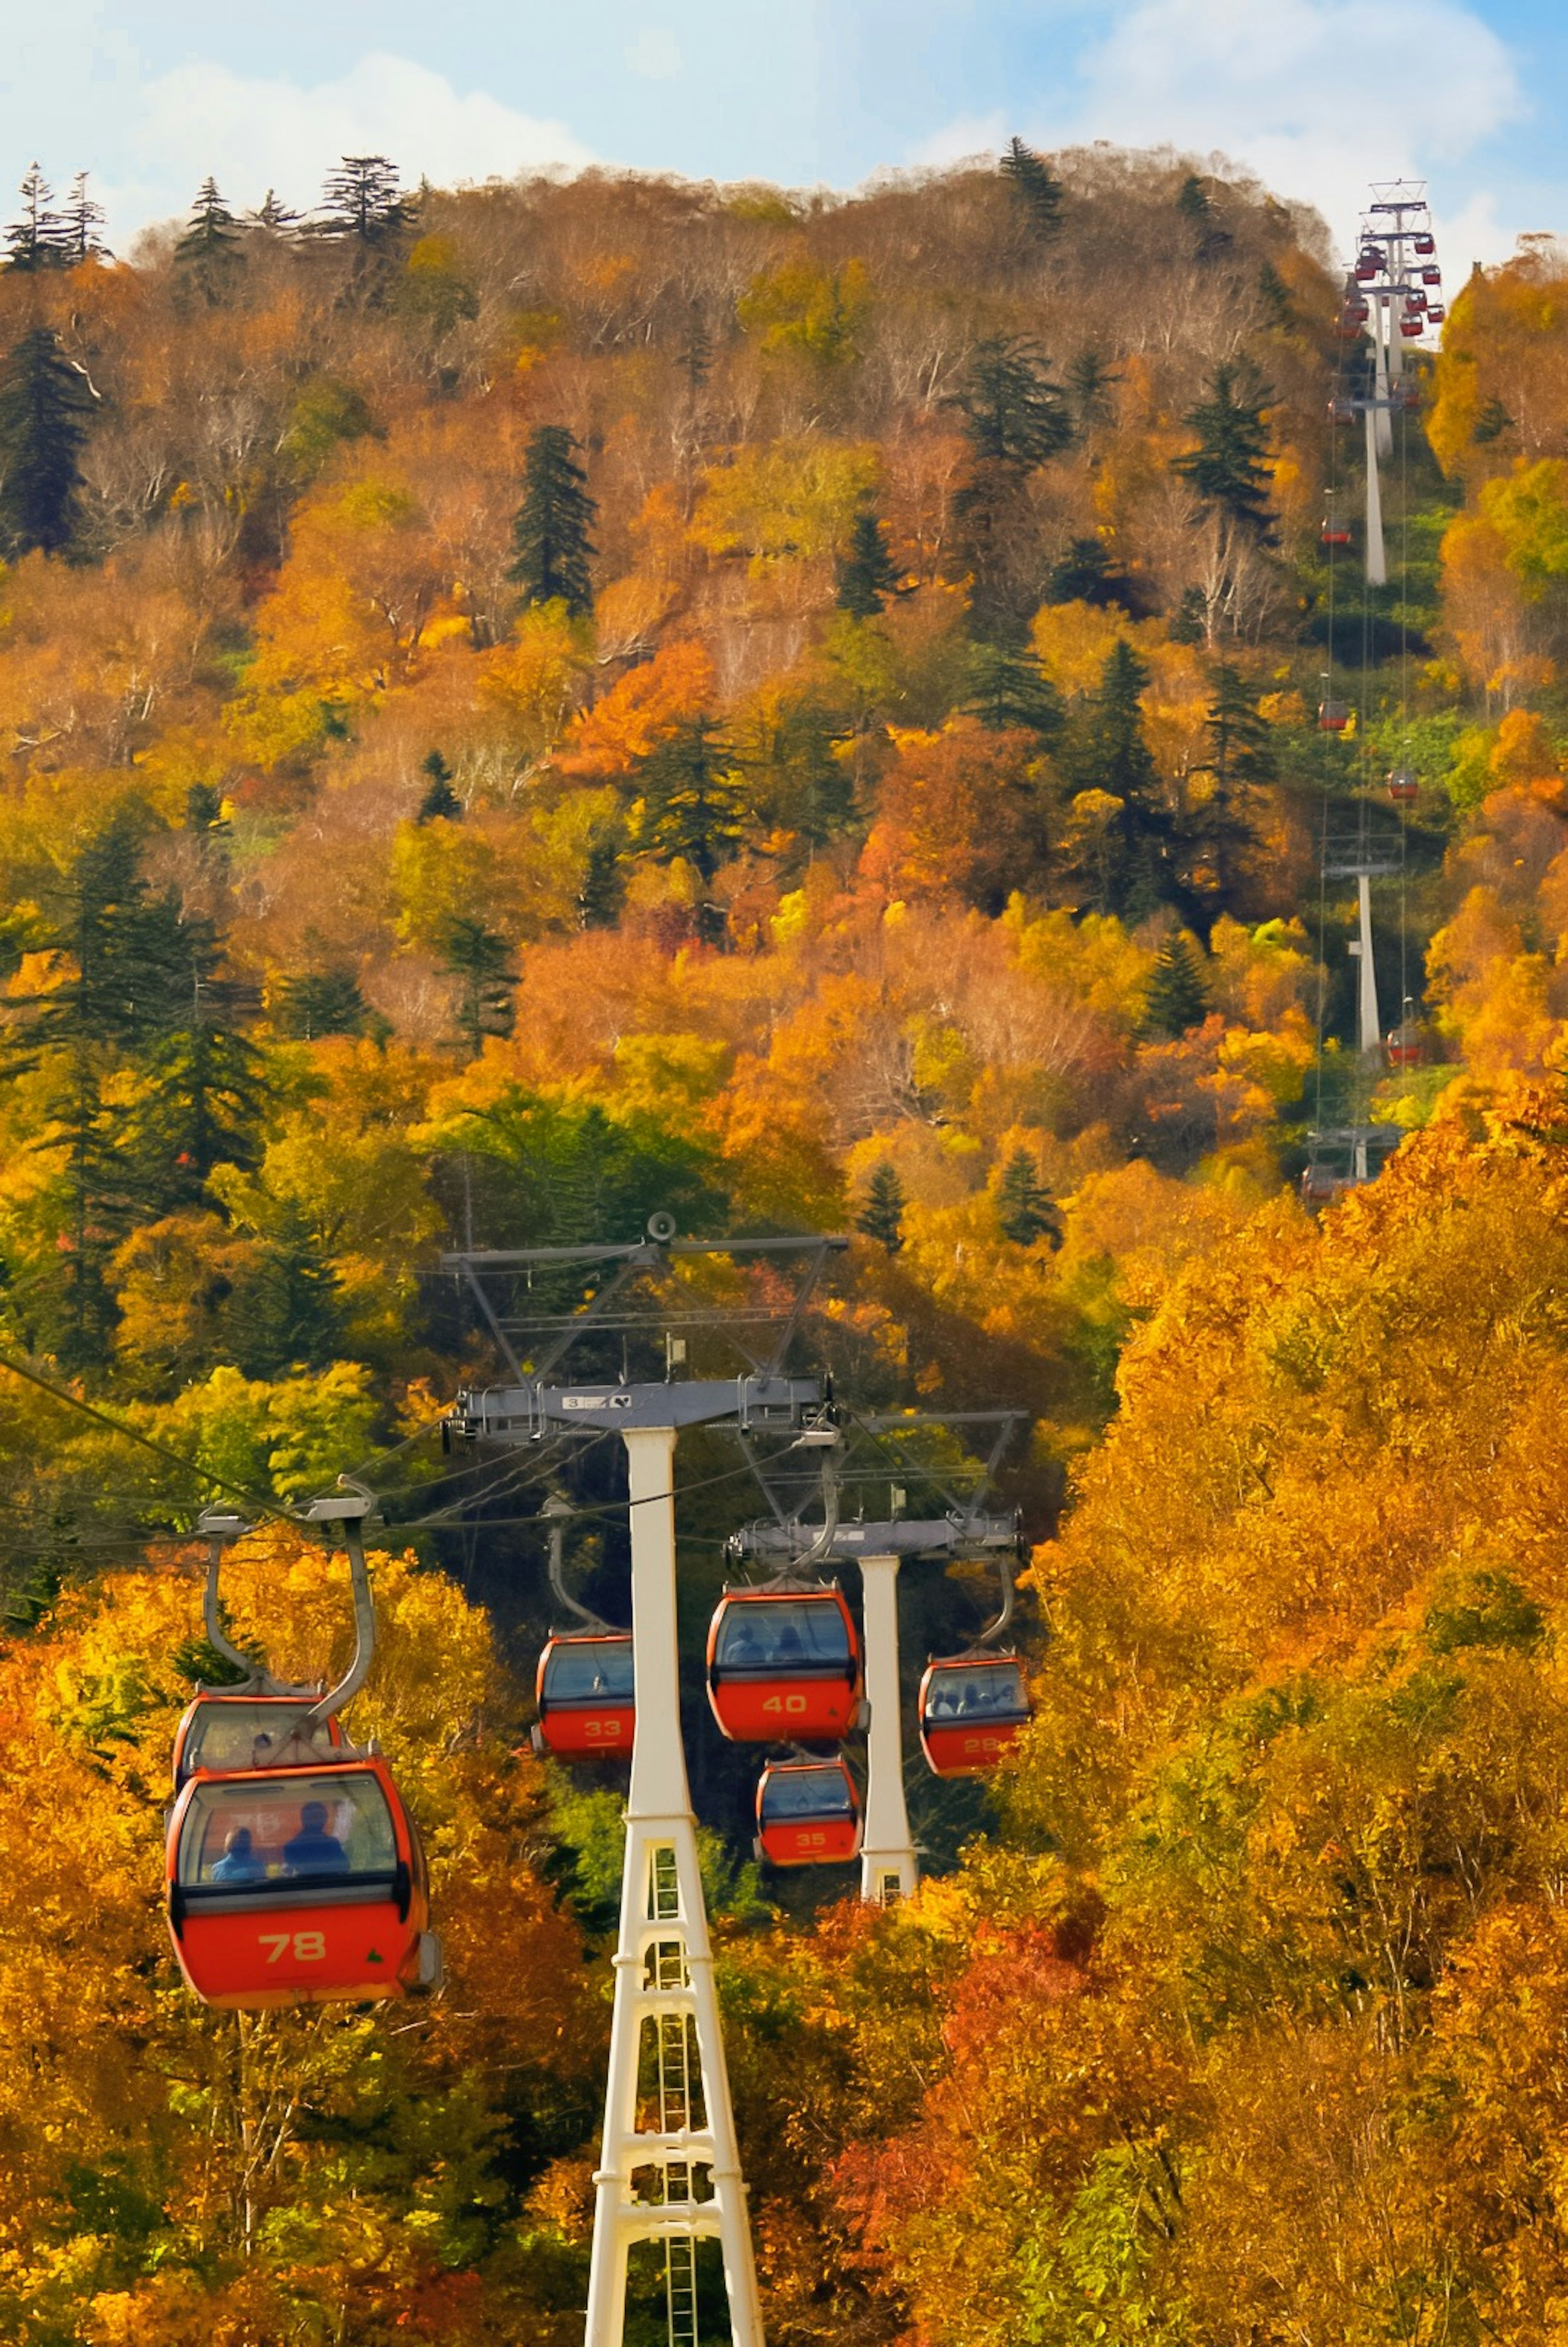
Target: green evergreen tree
{"x": 1196, "y": 208}
{"x": 696, "y": 350}
{"x": 1130, "y": 870}
{"x": 1176, "y": 997}
{"x": 38, "y": 240}
{"x": 439, "y": 801}
{"x": 693, "y": 799}
{"x": 481, "y": 961}
{"x": 1035, "y": 188}
{"x": 1013, "y": 414}
{"x": 1084, "y": 573}
{"x": 202, "y": 1088}
{"x": 883, "y": 1215}
{"x": 204, "y": 808}
{"x": 1025, "y": 1207}
{"x": 44, "y": 403}
{"x": 1188, "y": 622}
{"x": 78, "y": 1035}
{"x": 1274, "y": 298}
{"x": 362, "y": 202}
{"x": 1090, "y": 382}
{"x": 1229, "y": 468}
{"x": 321, "y": 1002}
{"x": 210, "y": 251}
{"x": 867, "y": 575}
{"x": 287, "y": 1314}
{"x": 79, "y": 226}
{"x": 273, "y": 218}
{"x": 551, "y": 541}
{"x": 1008, "y": 692}
{"x": 1217, "y": 830}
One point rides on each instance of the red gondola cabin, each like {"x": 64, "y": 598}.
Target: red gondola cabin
{"x": 299, "y": 1886}
{"x": 784, "y": 1664}
{"x": 808, "y": 1813}
{"x": 1333, "y": 716}
{"x": 1403, "y": 786}
{"x": 1412, "y": 323}
{"x": 1334, "y": 532}
{"x": 1425, "y": 243}
{"x": 970, "y": 1709}
{"x": 222, "y": 1734}
{"x": 1406, "y": 1046}
{"x": 586, "y": 1696}
{"x": 1432, "y": 274}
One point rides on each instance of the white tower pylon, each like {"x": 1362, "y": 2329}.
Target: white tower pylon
{"x": 1370, "y": 1033}
{"x": 677, "y": 2182}
{"x": 1377, "y": 556}
{"x": 888, "y": 1866}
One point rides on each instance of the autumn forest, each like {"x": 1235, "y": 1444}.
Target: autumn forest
{"x": 528, "y": 707}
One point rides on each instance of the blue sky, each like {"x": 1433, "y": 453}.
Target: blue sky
{"x": 1317, "y": 96}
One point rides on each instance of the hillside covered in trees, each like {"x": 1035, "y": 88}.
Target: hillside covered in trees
{"x": 524, "y": 707}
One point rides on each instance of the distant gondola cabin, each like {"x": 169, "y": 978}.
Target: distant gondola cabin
{"x": 586, "y": 1696}
{"x": 808, "y": 1813}
{"x": 782, "y": 1665}
{"x": 972, "y": 1708}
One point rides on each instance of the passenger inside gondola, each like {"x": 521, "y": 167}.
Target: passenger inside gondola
{"x": 597, "y": 1669}
{"x": 987, "y": 1694}
{"x": 261, "y": 1834}
{"x": 238, "y": 1862}
{"x": 782, "y": 1636}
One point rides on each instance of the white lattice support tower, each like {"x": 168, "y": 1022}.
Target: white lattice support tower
{"x": 1385, "y": 343}
{"x": 678, "y": 2182}
{"x": 1377, "y": 557}
{"x": 888, "y": 1866}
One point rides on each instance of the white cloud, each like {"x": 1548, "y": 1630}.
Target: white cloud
{"x": 260, "y": 134}
{"x": 1316, "y": 97}
{"x": 656, "y": 54}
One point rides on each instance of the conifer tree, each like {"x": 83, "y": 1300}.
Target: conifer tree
{"x": 37, "y": 240}
{"x": 1025, "y": 1207}
{"x": 1176, "y": 998}
{"x": 1014, "y": 412}
{"x": 552, "y": 545}
{"x": 362, "y": 200}
{"x": 481, "y": 961}
{"x": 440, "y": 802}
{"x": 201, "y": 1084}
{"x": 1083, "y": 573}
{"x": 210, "y": 249}
{"x": 867, "y": 576}
{"x": 1196, "y": 207}
{"x": 1229, "y": 468}
{"x": 1240, "y": 759}
{"x": 273, "y": 217}
{"x": 287, "y": 1314}
{"x": 1090, "y": 382}
{"x": 1008, "y": 692}
{"x": 883, "y": 1215}
{"x": 692, "y": 798}
{"x": 1131, "y": 871}
{"x": 321, "y": 1002}
{"x": 696, "y": 350}
{"x": 1036, "y": 189}
{"x": 44, "y": 402}
{"x": 79, "y": 225}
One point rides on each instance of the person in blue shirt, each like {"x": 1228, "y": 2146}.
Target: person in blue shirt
{"x": 313, "y": 1851}
{"x": 238, "y": 1862}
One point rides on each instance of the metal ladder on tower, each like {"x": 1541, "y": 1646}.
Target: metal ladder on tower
{"x": 668, "y": 1967}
